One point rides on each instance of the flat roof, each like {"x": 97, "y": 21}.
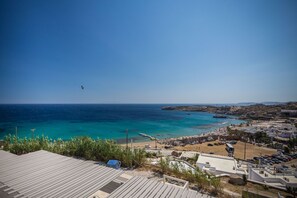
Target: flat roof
{"x": 220, "y": 163}
{"x": 46, "y": 174}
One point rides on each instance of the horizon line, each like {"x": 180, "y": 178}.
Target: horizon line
{"x": 136, "y": 103}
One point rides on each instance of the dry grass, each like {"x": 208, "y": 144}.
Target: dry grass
{"x": 251, "y": 150}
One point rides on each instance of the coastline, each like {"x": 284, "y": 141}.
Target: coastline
{"x": 222, "y": 131}
{"x": 211, "y": 142}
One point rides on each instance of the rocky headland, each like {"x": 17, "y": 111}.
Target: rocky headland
{"x": 250, "y": 112}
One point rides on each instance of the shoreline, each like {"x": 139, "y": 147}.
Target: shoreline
{"x": 161, "y": 143}
{"x": 220, "y": 131}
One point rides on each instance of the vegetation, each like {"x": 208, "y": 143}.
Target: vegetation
{"x": 262, "y": 137}
{"x": 151, "y": 155}
{"x": 235, "y": 132}
{"x": 286, "y": 150}
{"x": 85, "y": 147}
{"x": 244, "y": 179}
{"x": 292, "y": 143}
{"x": 292, "y": 190}
{"x": 193, "y": 160}
{"x": 200, "y": 179}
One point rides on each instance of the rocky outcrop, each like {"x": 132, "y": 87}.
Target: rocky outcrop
{"x": 251, "y": 112}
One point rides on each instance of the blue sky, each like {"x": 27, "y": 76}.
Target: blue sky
{"x": 148, "y": 51}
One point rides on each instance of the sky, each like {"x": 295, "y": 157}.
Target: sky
{"x": 148, "y": 51}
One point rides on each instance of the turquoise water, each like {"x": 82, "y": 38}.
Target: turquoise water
{"x": 105, "y": 121}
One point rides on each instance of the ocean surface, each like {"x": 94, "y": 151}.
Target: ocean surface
{"x": 105, "y": 121}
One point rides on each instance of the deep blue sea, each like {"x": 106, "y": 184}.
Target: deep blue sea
{"x": 104, "y": 121}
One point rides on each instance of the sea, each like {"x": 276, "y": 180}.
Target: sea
{"x": 105, "y": 121}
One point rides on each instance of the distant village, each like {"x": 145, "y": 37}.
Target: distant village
{"x": 266, "y": 127}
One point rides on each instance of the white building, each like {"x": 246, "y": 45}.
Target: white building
{"x": 220, "y": 165}
{"x": 269, "y": 177}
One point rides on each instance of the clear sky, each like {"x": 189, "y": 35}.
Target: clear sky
{"x": 148, "y": 51}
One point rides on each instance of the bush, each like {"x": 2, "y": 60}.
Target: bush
{"x": 84, "y": 147}
{"x": 197, "y": 177}
{"x": 286, "y": 150}
{"x": 244, "y": 178}
{"x": 292, "y": 190}
{"x": 193, "y": 160}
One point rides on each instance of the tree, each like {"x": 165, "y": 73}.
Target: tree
{"x": 292, "y": 190}
{"x": 292, "y": 143}
{"x": 244, "y": 178}
{"x": 262, "y": 137}
{"x": 286, "y": 149}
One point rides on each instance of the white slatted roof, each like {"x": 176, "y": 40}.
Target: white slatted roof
{"x": 45, "y": 174}
{"x": 142, "y": 187}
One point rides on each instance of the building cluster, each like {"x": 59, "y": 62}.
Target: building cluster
{"x": 280, "y": 177}
{"x": 277, "y": 176}
{"x": 274, "y": 129}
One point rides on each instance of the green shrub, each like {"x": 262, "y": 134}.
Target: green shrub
{"x": 84, "y": 147}
{"x": 197, "y": 177}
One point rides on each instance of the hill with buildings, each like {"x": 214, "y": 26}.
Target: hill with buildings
{"x": 250, "y": 112}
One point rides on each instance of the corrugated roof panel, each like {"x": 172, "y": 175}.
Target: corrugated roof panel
{"x": 95, "y": 186}
{"x": 173, "y": 192}
{"x": 167, "y": 191}
{"x": 148, "y": 192}
{"x": 134, "y": 188}
{"x": 161, "y": 190}
{"x": 50, "y": 179}
{"x": 148, "y": 186}
{"x": 68, "y": 180}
